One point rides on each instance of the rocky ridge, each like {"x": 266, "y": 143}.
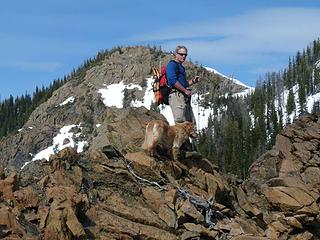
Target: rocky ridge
{"x": 104, "y": 193}
{"x": 130, "y": 65}
{"x": 112, "y": 190}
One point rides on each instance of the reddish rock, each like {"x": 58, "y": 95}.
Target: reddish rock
{"x": 7, "y": 187}
{"x": 167, "y": 215}
{"x": 107, "y": 222}
{"x": 66, "y": 157}
{"x": 186, "y": 210}
{"x": 153, "y": 197}
{"x": 245, "y": 204}
{"x": 27, "y": 197}
{"x": 303, "y": 236}
{"x": 311, "y": 176}
{"x": 9, "y": 221}
{"x": 61, "y": 220}
{"x": 281, "y": 197}
{"x": 141, "y": 158}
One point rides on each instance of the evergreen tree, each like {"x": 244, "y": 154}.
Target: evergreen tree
{"x": 290, "y": 102}
{"x": 15, "y": 112}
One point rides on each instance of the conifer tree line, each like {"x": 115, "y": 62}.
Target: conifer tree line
{"x": 14, "y": 112}
{"x": 242, "y": 129}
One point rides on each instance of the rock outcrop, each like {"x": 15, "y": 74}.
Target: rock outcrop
{"x": 126, "y": 65}
{"x": 110, "y": 189}
{"x": 103, "y": 194}
{"x": 284, "y": 182}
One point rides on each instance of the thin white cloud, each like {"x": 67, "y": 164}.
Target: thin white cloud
{"x": 244, "y": 38}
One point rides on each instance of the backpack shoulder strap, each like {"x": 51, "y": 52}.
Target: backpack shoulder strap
{"x": 177, "y": 67}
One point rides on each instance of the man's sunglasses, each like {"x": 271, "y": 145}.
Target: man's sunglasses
{"x": 182, "y": 54}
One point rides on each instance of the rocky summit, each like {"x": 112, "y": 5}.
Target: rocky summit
{"x": 89, "y": 98}
{"x": 76, "y": 169}
{"x": 106, "y": 193}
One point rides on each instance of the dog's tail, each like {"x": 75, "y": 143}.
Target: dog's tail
{"x": 148, "y": 137}
{"x": 152, "y": 136}
{"x": 145, "y": 142}
{"x": 157, "y": 132}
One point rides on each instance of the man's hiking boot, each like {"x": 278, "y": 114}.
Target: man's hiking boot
{"x": 193, "y": 155}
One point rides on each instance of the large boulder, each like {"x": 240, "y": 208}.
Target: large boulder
{"x": 286, "y": 179}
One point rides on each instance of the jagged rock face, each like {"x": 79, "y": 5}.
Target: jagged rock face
{"x": 284, "y": 182}
{"x": 130, "y": 65}
{"x": 112, "y": 190}
{"x": 104, "y": 194}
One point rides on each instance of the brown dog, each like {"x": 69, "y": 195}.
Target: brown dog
{"x": 168, "y": 138}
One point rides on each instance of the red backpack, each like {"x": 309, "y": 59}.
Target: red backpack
{"x": 160, "y": 86}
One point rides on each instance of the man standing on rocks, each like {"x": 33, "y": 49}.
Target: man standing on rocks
{"x": 180, "y": 98}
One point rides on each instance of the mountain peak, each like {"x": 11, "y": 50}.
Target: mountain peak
{"x": 118, "y": 78}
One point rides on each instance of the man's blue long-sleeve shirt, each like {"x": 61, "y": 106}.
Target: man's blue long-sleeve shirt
{"x": 176, "y": 72}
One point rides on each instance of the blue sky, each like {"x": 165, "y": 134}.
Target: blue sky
{"x": 43, "y": 40}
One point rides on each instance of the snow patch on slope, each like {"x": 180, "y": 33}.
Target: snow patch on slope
{"x": 68, "y": 100}
{"x": 65, "y": 138}
{"x": 230, "y": 78}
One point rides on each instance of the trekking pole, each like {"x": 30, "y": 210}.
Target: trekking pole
{"x": 198, "y": 122}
